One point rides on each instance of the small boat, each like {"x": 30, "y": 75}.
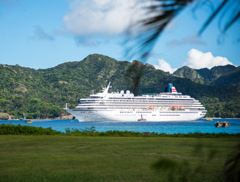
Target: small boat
{"x": 28, "y": 121}
{"x": 209, "y": 119}
{"x": 222, "y": 124}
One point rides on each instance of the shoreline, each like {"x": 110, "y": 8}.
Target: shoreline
{"x": 55, "y": 119}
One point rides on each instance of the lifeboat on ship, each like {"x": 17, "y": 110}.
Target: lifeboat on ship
{"x": 181, "y": 107}
{"x": 174, "y": 107}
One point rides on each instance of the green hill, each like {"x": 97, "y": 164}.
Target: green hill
{"x": 43, "y": 93}
{"x": 192, "y": 74}
{"x": 219, "y": 75}
{"x": 231, "y": 79}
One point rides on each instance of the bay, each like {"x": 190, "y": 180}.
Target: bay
{"x": 200, "y": 125}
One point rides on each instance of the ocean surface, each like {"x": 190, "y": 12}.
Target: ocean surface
{"x": 201, "y": 125}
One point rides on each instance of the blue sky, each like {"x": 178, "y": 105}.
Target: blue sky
{"x": 43, "y": 34}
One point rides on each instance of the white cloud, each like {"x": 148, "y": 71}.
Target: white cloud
{"x": 105, "y": 17}
{"x": 165, "y": 66}
{"x": 197, "y": 59}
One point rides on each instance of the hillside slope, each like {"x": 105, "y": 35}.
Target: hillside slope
{"x": 218, "y": 75}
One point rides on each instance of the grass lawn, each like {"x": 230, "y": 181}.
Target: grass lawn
{"x": 81, "y": 158}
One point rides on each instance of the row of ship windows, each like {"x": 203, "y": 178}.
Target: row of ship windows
{"x": 179, "y": 112}
{"x": 91, "y": 107}
{"x": 143, "y": 112}
{"x": 125, "y": 114}
{"x": 146, "y": 112}
{"x": 137, "y": 99}
{"x": 167, "y": 115}
{"x": 92, "y": 101}
{"x": 127, "y": 107}
{"x": 136, "y": 112}
{"x": 151, "y": 112}
{"x": 145, "y": 115}
{"x": 88, "y": 112}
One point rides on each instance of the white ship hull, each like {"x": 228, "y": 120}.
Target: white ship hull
{"x": 131, "y": 116}
{"x": 120, "y": 106}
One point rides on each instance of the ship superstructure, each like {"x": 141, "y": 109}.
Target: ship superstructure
{"x": 124, "y": 106}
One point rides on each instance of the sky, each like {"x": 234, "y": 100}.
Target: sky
{"x": 42, "y": 34}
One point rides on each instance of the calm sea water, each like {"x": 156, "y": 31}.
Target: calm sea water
{"x": 201, "y": 125}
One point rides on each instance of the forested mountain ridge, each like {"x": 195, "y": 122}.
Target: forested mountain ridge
{"x": 43, "y": 93}
{"x": 228, "y": 75}
{"x": 231, "y": 79}
{"x": 192, "y": 74}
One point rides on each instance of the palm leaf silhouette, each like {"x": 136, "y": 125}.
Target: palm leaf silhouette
{"x": 163, "y": 12}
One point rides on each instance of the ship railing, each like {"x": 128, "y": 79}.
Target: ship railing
{"x": 123, "y": 107}
{"x": 128, "y": 108}
{"x": 135, "y": 106}
{"x": 113, "y": 107}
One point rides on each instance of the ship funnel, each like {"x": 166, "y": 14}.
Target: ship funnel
{"x": 171, "y": 88}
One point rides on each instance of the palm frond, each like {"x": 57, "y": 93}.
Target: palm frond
{"x": 161, "y": 13}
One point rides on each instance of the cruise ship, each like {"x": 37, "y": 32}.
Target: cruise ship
{"x": 125, "y": 107}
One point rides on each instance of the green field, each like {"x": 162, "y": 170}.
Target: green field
{"x": 83, "y": 158}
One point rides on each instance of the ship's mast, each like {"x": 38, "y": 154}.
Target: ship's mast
{"x": 106, "y": 89}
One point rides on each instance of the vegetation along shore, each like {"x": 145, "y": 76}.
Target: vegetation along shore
{"x": 36, "y": 154}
